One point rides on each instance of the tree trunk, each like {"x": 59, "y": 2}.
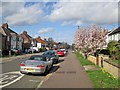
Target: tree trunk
{"x": 113, "y": 56}
{"x": 85, "y": 55}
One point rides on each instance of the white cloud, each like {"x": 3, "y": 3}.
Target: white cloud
{"x": 86, "y": 13}
{"x": 20, "y": 15}
{"x": 66, "y": 23}
{"x": 45, "y": 30}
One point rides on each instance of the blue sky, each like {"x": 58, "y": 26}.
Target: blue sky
{"x": 58, "y": 20}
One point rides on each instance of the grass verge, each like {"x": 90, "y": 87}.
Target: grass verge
{"x": 99, "y": 78}
{"x": 83, "y": 60}
{"x": 102, "y": 80}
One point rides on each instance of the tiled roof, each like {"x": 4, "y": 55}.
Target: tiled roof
{"x": 26, "y": 39}
{"x": 40, "y": 40}
{"x": 55, "y": 43}
{"x": 115, "y": 31}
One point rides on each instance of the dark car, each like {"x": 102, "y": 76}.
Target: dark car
{"x": 16, "y": 51}
{"x": 52, "y": 55}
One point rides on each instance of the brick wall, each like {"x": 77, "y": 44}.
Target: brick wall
{"x": 92, "y": 59}
{"x": 111, "y": 67}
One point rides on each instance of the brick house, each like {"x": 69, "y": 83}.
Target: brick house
{"x": 9, "y": 38}
{"x": 28, "y": 41}
{"x": 40, "y": 43}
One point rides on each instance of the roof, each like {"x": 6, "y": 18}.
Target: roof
{"x": 26, "y": 39}
{"x": 40, "y": 40}
{"x": 7, "y": 31}
{"x": 115, "y": 31}
{"x": 55, "y": 43}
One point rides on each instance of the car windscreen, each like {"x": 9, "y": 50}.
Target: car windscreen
{"x": 38, "y": 58}
{"x": 59, "y": 51}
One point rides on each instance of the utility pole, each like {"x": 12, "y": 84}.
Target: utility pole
{"x": 78, "y": 27}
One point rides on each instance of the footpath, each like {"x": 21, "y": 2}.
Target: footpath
{"x": 8, "y": 59}
{"x": 71, "y": 74}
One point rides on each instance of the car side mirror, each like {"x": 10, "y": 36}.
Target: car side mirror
{"x": 47, "y": 59}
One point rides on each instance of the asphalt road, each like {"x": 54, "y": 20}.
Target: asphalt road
{"x": 68, "y": 73}
{"x": 10, "y": 73}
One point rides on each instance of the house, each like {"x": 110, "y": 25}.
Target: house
{"x": 28, "y": 41}
{"x": 40, "y": 43}
{"x": 114, "y": 35}
{"x": 55, "y": 45}
{"x": 9, "y": 38}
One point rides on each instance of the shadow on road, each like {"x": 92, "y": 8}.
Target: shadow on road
{"x": 54, "y": 69}
{"x": 60, "y": 61}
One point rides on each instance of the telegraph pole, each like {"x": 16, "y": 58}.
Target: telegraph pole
{"x": 78, "y": 27}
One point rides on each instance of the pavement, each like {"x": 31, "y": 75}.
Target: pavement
{"x": 8, "y": 59}
{"x": 70, "y": 74}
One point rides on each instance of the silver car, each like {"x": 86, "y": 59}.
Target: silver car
{"x": 37, "y": 64}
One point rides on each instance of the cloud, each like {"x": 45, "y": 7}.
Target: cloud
{"x": 17, "y": 14}
{"x": 66, "y": 23}
{"x": 45, "y": 30}
{"x": 85, "y": 13}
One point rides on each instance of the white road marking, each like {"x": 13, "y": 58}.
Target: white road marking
{"x": 39, "y": 85}
{"x": 16, "y": 72}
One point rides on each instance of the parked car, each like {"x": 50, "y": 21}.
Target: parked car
{"x": 37, "y": 64}
{"x": 73, "y": 51}
{"x": 31, "y": 50}
{"x": 64, "y": 50}
{"x": 15, "y": 51}
{"x": 35, "y": 48}
{"x": 60, "y": 52}
{"x": 52, "y": 55}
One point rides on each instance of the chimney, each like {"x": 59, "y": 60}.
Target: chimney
{"x": 44, "y": 39}
{"x": 39, "y": 37}
{"x": 25, "y": 32}
{"x": 5, "y": 25}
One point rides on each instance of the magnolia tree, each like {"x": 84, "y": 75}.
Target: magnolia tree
{"x": 89, "y": 39}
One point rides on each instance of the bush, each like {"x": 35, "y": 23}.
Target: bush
{"x": 114, "y": 50}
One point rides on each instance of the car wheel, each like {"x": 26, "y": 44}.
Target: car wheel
{"x": 46, "y": 71}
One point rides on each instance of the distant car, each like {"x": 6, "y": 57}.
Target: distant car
{"x": 60, "y": 52}
{"x": 52, "y": 55}
{"x": 73, "y": 51}
{"x": 37, "y": 64}
{"x": 64, "y": 50}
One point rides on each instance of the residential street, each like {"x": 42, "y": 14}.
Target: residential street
{"x": 68, "y": 73}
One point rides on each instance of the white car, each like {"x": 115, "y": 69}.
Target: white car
{"x": 64, "y": 51}
{"x": 35, "y": 48}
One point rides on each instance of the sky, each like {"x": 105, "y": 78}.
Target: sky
{"x": 58, "y": 18}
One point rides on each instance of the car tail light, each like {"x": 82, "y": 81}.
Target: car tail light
{"x": 40, "y": 66}
{"x": 22, "y": 64}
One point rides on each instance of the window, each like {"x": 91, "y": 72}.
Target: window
{"x": 14, "y": 38}
{"x": 8, "y": 38}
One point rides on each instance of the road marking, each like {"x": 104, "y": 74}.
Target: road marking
{"x": 10, "y": 77}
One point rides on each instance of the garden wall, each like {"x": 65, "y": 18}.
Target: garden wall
{"x": 109, "y": 66}
{"x": 92, "y": 59}
{"x": 103, "y": 62}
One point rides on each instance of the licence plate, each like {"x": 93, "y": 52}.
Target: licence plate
{"x": 30, "y": 69}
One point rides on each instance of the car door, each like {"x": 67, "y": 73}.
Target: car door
{"x": 49, "y": 62}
